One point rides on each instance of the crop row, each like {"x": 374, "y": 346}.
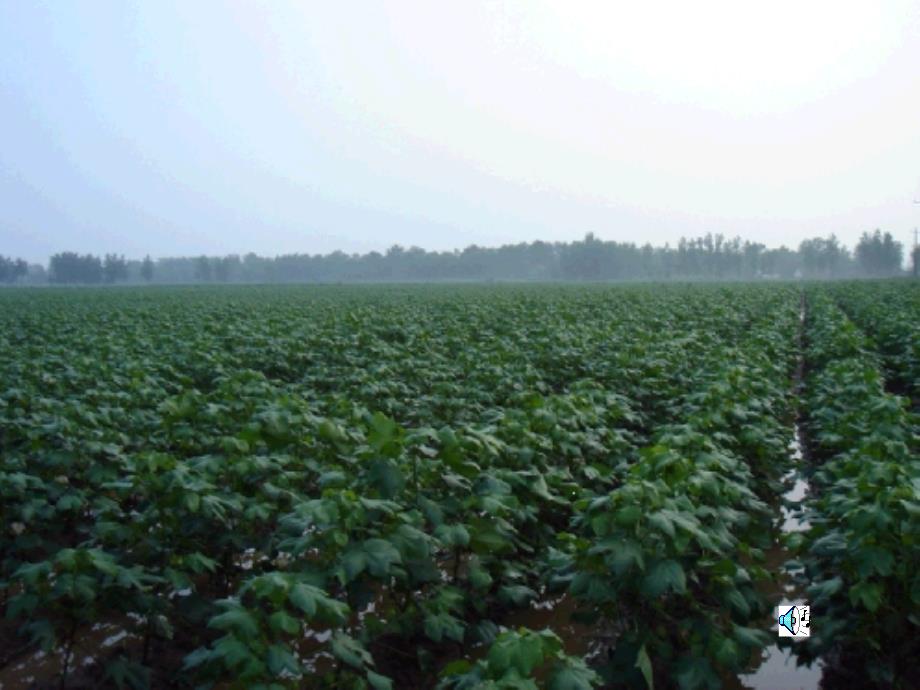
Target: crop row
{"x": 890, "y": 317}
{"x": 671, "y": 559}
{"x": 863, "y": 545}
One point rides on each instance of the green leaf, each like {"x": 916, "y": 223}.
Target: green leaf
{"x": 624, "y": 555}
{"x": 41, "y": 632}
{"x": 125, "y": 673}
{"x": 644, "y": 664}
{"x": 751, "y": 637}
{"x": 875, "y": 560}
{"x": 869, "y": 594}
{"x": 382, "y": 434}
{"x": 456, "y": 667}
{"x": 350, "y": 651}
{"x": 305, "y": 597}
{"x": 20, "y": 604}
{"x": 516, "y": 595}
{"x": 330, "y": 431}
{"x": 354, "y": 561}
{"x": 379, "y": 682}
{"x": 573, "y": 675}
{"x": 695, "y": 672}
{"x": 234, "y": 652}
{"x": 453, "y": 535}
{"x": 727, "y": 652}
{"x": 192, "y": 502}
{"x": 332, "y": 479}
{"x": 662, "y": 522}
{"x": 441, "y": 625}
{"x": 69, "y": 502}
{"x": 129, "y": 578}
{"x": 520, "y": 651}
{"x": 737, "y": 601}
{"x": 627, "y": 516}
{"x": 280, "y": 659}
{"x": 600, "y": 524}
{"x": 238, "y": 620}
{"x": 480, "y": 578}
{"x": 66, "y": 559}
{"x": 380, "y": 554}
{"x": 198, "y": 563}
{"x": 317, "y": 604}
{"x": 823, "y": 589}
{"x": 488, "y": 541}
{"x": 198, "y": 657}
{"x": 281, "y": 621}
{"x": 30, "y": 573}
{"x": 662, "y": 576}
{"x": 385, "y": 475}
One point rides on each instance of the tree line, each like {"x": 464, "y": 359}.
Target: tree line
{"x": 711, "y": 257}
{"x": 12, "y": 270}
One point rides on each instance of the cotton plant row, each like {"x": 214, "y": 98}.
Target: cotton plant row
{"x": 862, "y": 547}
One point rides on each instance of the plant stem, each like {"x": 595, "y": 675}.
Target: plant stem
{"x": 456, "y": 563}
{"x": 68, "y": 647}
{"x": 147, "y": 636}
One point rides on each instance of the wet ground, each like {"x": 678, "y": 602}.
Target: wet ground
{"x": 777, "y": 669}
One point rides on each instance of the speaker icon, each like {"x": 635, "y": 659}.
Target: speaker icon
{"x": 794, "y": 621}
{"x": 789, "y": 620}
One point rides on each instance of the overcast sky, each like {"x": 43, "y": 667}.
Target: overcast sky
{"x": 197, "y": 127}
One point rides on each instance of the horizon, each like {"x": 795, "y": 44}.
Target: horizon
{"x": 457, "y": 250}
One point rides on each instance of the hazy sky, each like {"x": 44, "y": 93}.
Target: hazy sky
{"x": 199, "y": 127}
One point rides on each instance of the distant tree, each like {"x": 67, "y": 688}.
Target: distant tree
{"x": 834, "y": 255}
{"x": 753, "y": 255}
{"x": 147, "y": 269}
{"x": 892, "y": 255}
{"x": 227, "y": 268}
{"x": 221, "y": 270}
{"x": 72, "y": 268}
{"x": 11, "y": 270}
{"x": 878, "y": 254}
{"x": 256, "y": 268}
{"x": 114, "y": 268}
{"x": 781, "y": 262}
{"x": 202, "y": 269}
{"x": 822, "y": 257}
{"x": 585, "y": 260}
{"x": 20, "y": 269}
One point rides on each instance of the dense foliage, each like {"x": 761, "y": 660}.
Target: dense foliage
{"x": 70, "y": 268}
{"x": 862, "y": 549}
{"x": 887, "y": 316}
{"x": 430, "y": 486}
